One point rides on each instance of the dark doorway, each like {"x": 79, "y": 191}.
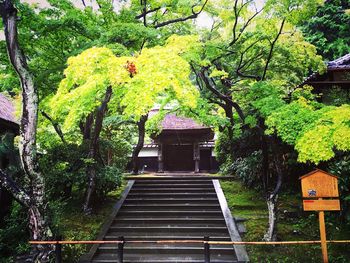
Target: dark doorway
{"x": 205, "y": 161}
{"x": 178, "y": 158}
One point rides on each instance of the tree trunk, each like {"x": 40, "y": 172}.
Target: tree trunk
{"x": 142, "y": 130}
{"x": 37, "y": 223}
{"x": 93, "y": 150}
{"x": 271, "y": 233}
{"x": 272, "y": 198}
{"x": 229, "y": 114}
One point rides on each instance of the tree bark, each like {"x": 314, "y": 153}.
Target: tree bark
{"x": 272, "y": 198}
{"x": 229, "y": 114}
{"x": 36, "y": 211}
{"x": 93, "y": 150}
{"x": 142, "y": 130}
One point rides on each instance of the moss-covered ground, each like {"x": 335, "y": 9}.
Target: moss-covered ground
{"x": 293, "y": 225}
{"x": 75, "y": 225}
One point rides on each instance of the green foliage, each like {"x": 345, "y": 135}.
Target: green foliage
{"x": 64, "y": 168}
{"x": 108, "y": 179}
{"x": 315, "y": 130}
{"x": 247, "y": 169}
{"x": 159, "y": 73}
{"x": 329, "y": 29}
{"x": 341, "y": 168}
{"x": 13, "y": 234}
{"x": 265, "y": 97}
{"x": 331, "y": 131}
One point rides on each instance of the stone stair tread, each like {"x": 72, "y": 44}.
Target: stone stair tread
{"x": 166, "y": 246}
{"x": 178, "y": 199}
{"x": 174, "y": 185}
{"x": 168, "y": 237}
{"x": 169, "y": 225}
{"x": 174, "y": 219}
{"x": 187, "y": 205}
{"x": 137, "y": 189}
{"x": 130, "y": 256}
{"x": 173, "y": 194}
{"x": 184, "y": 260}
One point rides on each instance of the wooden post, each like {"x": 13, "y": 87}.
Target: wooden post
{"x": 196, "y": 156}
{"x": 58, "y": 252}
{"x": 323, "y": 236}
{"x": 160, "y": 158}
{"x": 206, "y": 250}
{"x": 121, "y": 250}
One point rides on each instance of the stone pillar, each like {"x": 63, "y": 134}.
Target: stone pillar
{"x": 196, "y": 157}
{"x": 160, "y": 158}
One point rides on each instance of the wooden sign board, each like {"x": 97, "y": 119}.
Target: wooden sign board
{"x": 321, "y": 205}
{"x": 318, "y": 184}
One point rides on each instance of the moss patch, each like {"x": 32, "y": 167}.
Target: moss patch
{"x": 75, "y": 225}
{"x": 293, "y": 225}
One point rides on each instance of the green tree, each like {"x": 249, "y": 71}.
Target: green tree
{"x": 246, "y": 45}
{"x": 97, "y": 78}
{"x": 329, "y": 29}
{"x": 32, "y": 195}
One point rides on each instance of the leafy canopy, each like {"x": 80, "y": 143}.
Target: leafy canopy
{"x": 138, "y": 82}
{"x": 315, "y": 130}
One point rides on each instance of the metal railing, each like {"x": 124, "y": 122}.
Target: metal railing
{"x": 206, "y": 244}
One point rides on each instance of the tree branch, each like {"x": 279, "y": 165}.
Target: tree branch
{"x": 144, "y": 13}
{"x": 273, "y": 43}
{"x": 19, "y": 194}
{"x": 221, "y": 96}
{"x": 245, "y": 25}
{"x": 55, "y": 125}
{"x": 182, "y": 19}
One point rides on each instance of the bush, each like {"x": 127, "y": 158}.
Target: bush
{"x": 249, "y": 169}
{"x": 14, "y": 235}
{"x": 108, "y": 179}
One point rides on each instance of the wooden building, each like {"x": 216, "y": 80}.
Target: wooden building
{"x": 335, "y": 81}
{"x": 183, "y": 145}
{"x": 9, "y": 128}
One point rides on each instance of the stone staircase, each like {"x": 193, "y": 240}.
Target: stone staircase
{"x": 170, "y": 209}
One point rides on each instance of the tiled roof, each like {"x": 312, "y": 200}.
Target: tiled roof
{"x": 7, "y": 109}
{"x": 337, "y": 64}
{"x": 340, "y": 63}
{"x": 173, "y": 122}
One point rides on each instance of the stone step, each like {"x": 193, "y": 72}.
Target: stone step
{"x": 218, "y": 237}
{"x": 165, "y": 207}
{"x": 139, "y": 254}
{"x": 159, "y": 258}
{"x": 156, "y": 213}
{"x": 148, "y": 206}
{"x": 152, "y": 248}
{"x": 149, "y": 230}
{"x": 173, "y": 195}
{"x": 172, "y": 190}
{"x": 173, "y": 185}
{"x": 166, "y": 218}
{"x": 167, "y": 260}
{"x": 169, "y": 224}
{"x": 169, "y": 180}
{"x": 169, "y": 200}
